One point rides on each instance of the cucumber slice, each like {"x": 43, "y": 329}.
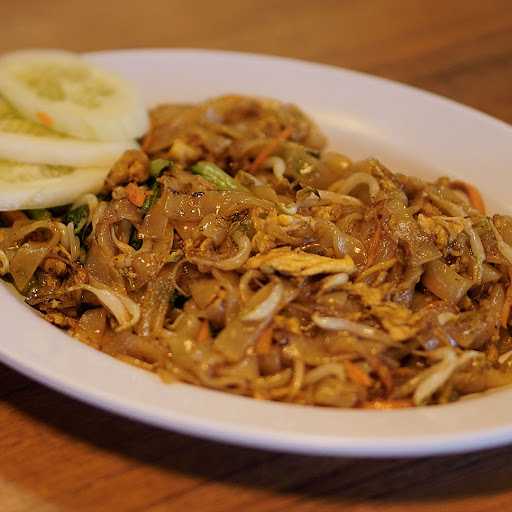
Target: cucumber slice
{"x": 61, "y": 90}
{"x": 29, "y": 186}
{"x": 30, "y": 142}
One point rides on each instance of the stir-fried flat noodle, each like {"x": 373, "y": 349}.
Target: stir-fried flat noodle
{"x": 231, "y": 252}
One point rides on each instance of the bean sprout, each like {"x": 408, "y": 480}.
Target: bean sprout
{"x": 277, "y": 164}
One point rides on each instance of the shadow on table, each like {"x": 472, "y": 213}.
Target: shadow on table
{"x": 327, "y": 479}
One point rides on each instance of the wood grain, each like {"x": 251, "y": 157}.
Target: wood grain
{"x": 59, "y": 455}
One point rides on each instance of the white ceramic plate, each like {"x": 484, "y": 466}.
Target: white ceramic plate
{"x": 409, "y": 130}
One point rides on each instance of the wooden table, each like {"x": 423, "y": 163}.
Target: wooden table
{"x": 59, "y": 455}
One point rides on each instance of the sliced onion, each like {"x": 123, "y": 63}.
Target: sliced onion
{"x": 235, "y": 261}
{"x": 277, "y": 164}
{"x": 239, "y": 334}
{"x": 436, "y": 376}
{"x": 245, "y": 289}
{"x": 273, "y": 293}
{"x": 476, "y": 247}
{"x": 325, "y": 370}
{"x": 330, "y": 323}
{"x": 333, "y": 282}
{"x": 347, "y": 185}
{"x": 341, "y": 243}
{"x": 124, "y": 309}
{"x": 336, "y": 198}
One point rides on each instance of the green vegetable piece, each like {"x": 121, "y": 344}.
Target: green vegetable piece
{"x": 78, "y": 216}
{"x": 157, "y": 166}
{"x": 214, "y": 174}
{"x": 39, "y": 214}
{"x": 178, "y": 300}
{"x": 135, "y": 241}
{"x": 84, "y": 234}
{"x": 152, "y": 198}
{"x": 104, "y": 197}
{"x": 59, "y": 211}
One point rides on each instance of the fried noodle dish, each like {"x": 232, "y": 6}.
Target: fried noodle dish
{"x": 232, "y": 252}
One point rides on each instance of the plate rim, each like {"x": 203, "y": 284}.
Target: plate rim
{"x": 300, "y": 443}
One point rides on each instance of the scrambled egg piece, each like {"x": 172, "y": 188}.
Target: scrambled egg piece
{"x": 369, "y": 296}
{"x": 443, "y": 229}
{"x": 276, "y": 229}
{"x": 300, "y": 263}
{"x": 290, "y": 324}
{"x": 262, "y": 242}
{"x": 400, "y": 322}
{"x": 331, "y": 213}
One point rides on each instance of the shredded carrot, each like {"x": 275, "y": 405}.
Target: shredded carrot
{"x": 387, "y": 404}
{"x": 357, "y": 375}
{"x": 474, "y": 196}
{"x": 264, "y": 341}
{"x": 507, "y": 305}
{"x": 13, "y": 216}
{"x": 270, "y": 148}
{"x": 204, "y": 332}
{"x": 45, "y": 119}
{"x": 136, "y": 195}
{"x": 374, "y": 246}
